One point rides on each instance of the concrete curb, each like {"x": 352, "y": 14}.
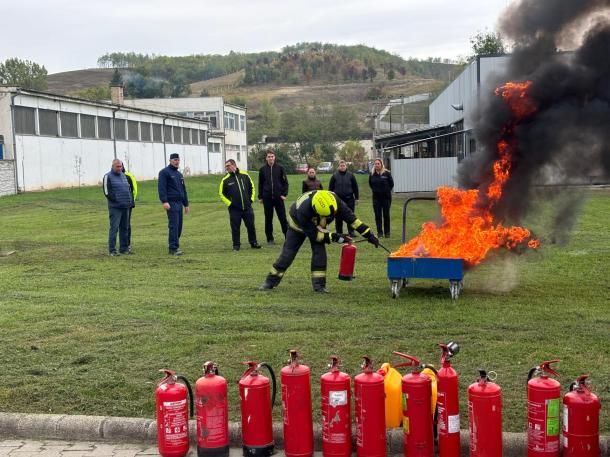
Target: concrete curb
{"x": 137, "y": 430}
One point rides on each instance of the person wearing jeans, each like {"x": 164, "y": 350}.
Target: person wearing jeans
{"x": 173, "y": 196}
{"x": 118, "y": 193}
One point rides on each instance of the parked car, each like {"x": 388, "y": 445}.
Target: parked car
{"x": 325, "y": 167}
{"x": 302, "y": 168}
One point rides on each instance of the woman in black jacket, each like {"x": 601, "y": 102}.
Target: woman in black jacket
{"x": 311, "y": 182}
{"x": 381, "y": 184}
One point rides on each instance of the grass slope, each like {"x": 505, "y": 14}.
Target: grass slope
{"x": 83, "y": 333}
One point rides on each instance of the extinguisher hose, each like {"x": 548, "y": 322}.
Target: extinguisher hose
{"x": 530, "y": 374}
{"x": 273, "y": 382}
{"x": 179, "y": 377}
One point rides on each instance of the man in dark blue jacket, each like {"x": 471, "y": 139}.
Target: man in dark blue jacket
{"x": 172, "y": 193}
{"x": 118, "y": 193}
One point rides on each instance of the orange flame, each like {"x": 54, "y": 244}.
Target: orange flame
{"x": 468, "y": 230}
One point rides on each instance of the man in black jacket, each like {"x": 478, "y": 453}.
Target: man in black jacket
{"x": 272, "y": 191}
{"x": 237, "y": 192}
{"x": 343, "y": 183}
{"x": 173, "y": 196}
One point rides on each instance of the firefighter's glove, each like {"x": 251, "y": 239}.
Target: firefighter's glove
{"x": 373, "y": 240}
{"x": 340, "y": 238}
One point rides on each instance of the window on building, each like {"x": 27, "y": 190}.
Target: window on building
{"x": 87, "y": 126}
{"x": 202, "y": 137}
{"x": 133, "y": 131}
{"x": 211, "y": 116}
{"x": 104, "y": 130}
{"x": 157, "y": 133}
{"x": 177, "y": 134}
{"x": 195, "y": 136}
{"x": 145, "y": 131}
{"x": 69, "y": 124}
{"x": 213, "y": 147}
{"x": 242, "y": 123}
{"x": 25, "y": 120}
{"x": 119, "y": 129}
{"x": 167, "y": 134}
{"x": 187, "y": 136}
{"x": 47, "y": 121}
{"x": 231, "y": 121}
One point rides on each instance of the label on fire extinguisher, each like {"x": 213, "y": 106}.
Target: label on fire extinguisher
{"x": 565, "y": 418}
{"x": 454, "y": 424}
{"x": 337, "y": 398}
{"x": 175, "y": 420}
{"x": 543, "y": 425}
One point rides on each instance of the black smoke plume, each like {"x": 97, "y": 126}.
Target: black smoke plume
{"x": 567, "y": 140}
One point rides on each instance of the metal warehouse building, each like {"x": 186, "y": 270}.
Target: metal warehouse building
{"x": 424, "y": 159}
{"x": 53, "y": 141}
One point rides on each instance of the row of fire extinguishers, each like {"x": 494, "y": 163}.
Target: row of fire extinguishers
{"x": 426, "y": 404}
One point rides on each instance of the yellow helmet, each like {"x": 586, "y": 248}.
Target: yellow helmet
{"x": 324, "y": 203}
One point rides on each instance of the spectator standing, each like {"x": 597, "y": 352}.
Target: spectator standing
{"x": 311, "y": 182}
{"x": 117, "y": 192}
{"x": 237, "y": 192}
{"x": 133, "y": 187}
{"x": 343, "y": 183}
{"x": 272, "y": 191}
{"x": 173, "y": 196}
{"x": 381, "y": 184}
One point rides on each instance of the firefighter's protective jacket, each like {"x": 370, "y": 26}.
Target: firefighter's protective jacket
{"x": 303, "y": 218}
{"x": 237, "y": 190}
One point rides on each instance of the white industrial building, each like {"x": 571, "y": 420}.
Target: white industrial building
{"x": 227, "y": 140}
{"x": 424, "y": 159}
{"x": 53, "y": 141}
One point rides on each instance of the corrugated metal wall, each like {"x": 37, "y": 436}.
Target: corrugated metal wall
{"x": 423, "y": 175}
{"x": 463, "y": 90}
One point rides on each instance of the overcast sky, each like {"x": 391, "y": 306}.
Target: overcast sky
{"x": 69, "y": 35}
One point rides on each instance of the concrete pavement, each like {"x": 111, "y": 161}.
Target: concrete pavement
{"x": 54, "y": 435}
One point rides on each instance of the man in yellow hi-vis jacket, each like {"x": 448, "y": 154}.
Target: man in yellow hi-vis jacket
{"x": 133, "y": 186}
{"x": 237, "y": 192}
{"x": 309, "y": 218}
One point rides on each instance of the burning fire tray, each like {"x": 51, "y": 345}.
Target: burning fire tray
{"x": 401, "y": 269}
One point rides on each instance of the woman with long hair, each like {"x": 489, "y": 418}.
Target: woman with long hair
{"x": 381, "y": 184}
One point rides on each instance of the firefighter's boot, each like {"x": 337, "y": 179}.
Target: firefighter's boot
{"x": 272, "y": 280}
{"x": 319, "y": 285}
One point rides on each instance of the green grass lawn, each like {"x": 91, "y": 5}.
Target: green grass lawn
{"x": 83, "y": 333}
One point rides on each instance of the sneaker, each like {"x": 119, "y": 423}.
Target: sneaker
{"x": 255, "y": 246}
{"x": 127, "y": 252}
{"x": 387, "y": 235}
{"x": 236, "y": 248}
{"x": 175, "y": 252}
{"x": 113, "y": 254}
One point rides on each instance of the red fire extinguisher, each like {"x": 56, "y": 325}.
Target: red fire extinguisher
{"x": 335, "y": 390}
{"x": 173, "y": 414}
{"x": 370, "y": 412}
{"x": 543, "y": 401}
{"x": 485, "y": 417}
{"x": 296, "y": 408}
{"x": 580, "y": 421}
{"x": 347, "y": 262}
{"x": 256, "y": 403}
{"x": 212, "y": 413}
{"x": 448, "y": 404}
{"x": 417, "y": 415}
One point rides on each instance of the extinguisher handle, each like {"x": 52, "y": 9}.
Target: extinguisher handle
{"x": 546, "y": 367}
{"x": 273, "y": 381}
{"x": 412, "y": 361}
{"x": 179, "y": 377}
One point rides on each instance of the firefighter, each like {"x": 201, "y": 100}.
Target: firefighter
{"x": 309, "y": 217}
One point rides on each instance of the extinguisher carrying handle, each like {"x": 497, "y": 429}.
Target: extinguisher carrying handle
{"x": 179, "y": 377}
{"x": 544, "y": 367}
{"x": 273, "y": 381}
{"x": 412, "y": 361}
{"x": 580, "y": 383}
